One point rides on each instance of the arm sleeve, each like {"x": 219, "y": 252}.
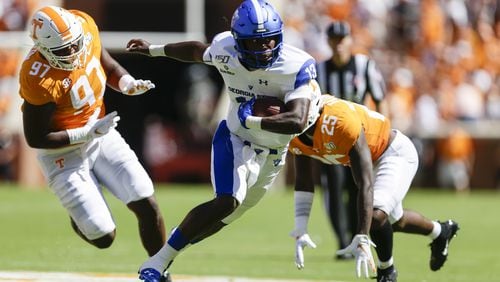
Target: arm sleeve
{"x": 306, "y": 72}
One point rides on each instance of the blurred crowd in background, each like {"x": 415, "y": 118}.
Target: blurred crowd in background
{"x": 441, "y": 63}
{"x": 440, "y": 60}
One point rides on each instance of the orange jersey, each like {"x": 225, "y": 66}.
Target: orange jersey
{"x": 458, "y": 145}
{"x": 78, "y": 93}
{"x": 337, "y": 129}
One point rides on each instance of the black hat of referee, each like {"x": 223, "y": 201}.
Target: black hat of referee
{"x": 338, "y": 29}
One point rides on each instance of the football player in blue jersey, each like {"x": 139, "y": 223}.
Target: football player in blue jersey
{"x": 248, "y": 151}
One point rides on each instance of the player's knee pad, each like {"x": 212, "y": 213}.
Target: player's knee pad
{"x": 96, "y": 227}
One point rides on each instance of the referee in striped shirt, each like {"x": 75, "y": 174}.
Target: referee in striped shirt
{"x": 352, "y": 77}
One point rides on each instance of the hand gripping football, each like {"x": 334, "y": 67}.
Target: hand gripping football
{"x": 264, "y": 107}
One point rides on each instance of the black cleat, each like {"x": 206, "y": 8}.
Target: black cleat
{"x": 387, "y": 275}
{"x": 166, "y": 277}
{"x": 439, "y": 247}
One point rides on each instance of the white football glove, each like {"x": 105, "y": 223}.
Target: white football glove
{"x": 301, "y": 242}
{"x": 103, "y": 125}
{"x": 131, "y": 86}
{"x": 360, "y": 247}
{"x": 94, "y": 128}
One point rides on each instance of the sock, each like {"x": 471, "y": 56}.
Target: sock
{"x": 177, "y": 240}
{"x": 386, "y": 264}
{"x": 436, "y": 230}
{"x": 165, "y": 256}
{"x": 383, "y": 238}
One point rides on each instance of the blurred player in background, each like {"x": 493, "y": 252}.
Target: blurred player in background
{"x": 455, "y": 154}
{"x": 383, "y": 162}
{"x": 62, "y": 82}
{"x": 352, "y": 77}
{"x": 248, "y": 151}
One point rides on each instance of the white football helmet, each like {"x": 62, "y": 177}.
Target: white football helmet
{"x": 58, "y": 35}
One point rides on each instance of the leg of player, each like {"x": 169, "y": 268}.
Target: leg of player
{"x": 414, "y": 223}
{"x": 209, "y": 232}
{"x": 440, "y": 233}
{"x": 200, "y": 222}
{"x": 102, "y": 242}
{"x": 151, "y": 225}
{"x": 382, "y": 235}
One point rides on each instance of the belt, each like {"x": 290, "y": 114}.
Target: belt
{"x": 259, "y": 150}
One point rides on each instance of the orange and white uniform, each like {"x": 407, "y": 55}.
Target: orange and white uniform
{"x": 395, "y": 161}
{"x": 76, "y": 173}
{"x": 338, "y": 128}
{"x": 76, "y": 93}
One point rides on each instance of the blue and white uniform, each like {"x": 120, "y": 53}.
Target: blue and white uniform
{"x": 254, "y": 156}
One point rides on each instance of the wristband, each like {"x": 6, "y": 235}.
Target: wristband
{"x": 253, "y": 122}
{"x": 157, "y": 50}
{"x": 124, "y": 82}
{"x": 77, "y": 135}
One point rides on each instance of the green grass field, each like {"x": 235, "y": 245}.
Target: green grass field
{"x": 35, "y": 235}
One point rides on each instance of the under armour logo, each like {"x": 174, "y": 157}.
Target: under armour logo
{"x": 263, "y": 82}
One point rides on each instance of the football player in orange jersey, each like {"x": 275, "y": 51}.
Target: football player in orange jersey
{"x": 383, "y": 163}
{"x": 62, "y": 82}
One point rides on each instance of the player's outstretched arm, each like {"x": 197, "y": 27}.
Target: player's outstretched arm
{"x": 304, "y": 194}
{"x": 186, "y": 51}
{"x": 120, "y": 80}
{"x": 362, "y": 172}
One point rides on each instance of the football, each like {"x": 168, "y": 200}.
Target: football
{"x": 265, "y": 107}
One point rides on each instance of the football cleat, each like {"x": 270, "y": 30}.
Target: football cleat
{"x": 150, "y": 275}
{"x": 166, "y": 277}
{"x": 439, "y": 247}
{"x": 387, "y": 275}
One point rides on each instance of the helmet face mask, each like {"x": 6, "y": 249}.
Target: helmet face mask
{"x": 258, "y": 31}
{"x": 58, "y": 35}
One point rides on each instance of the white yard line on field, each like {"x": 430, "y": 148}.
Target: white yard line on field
{"x": 29, "y": 276}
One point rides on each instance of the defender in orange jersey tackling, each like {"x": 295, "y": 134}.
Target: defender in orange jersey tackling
{"x": 62, "y": 82}
{"x": 383, "y": 162}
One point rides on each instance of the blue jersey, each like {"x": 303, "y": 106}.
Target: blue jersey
{"x": 292, "y": 76}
